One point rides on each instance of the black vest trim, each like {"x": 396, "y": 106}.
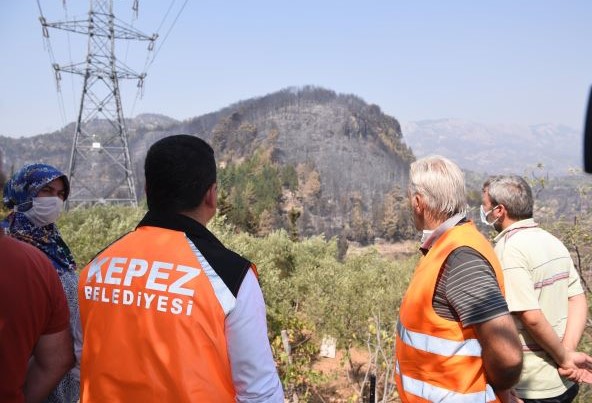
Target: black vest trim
{"x": 230, "y": 266}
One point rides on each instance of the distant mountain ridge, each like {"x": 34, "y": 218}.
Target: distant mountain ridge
{"x": 354, "y": 149}
{"x": 498, "y": 148}
{"x": 352, "y": 159}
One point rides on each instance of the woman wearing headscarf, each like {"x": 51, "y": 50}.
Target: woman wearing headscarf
{"x": 36, "y": 196}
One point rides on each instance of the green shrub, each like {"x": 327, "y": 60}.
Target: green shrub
{"x": 309, "y": 293}
{"x": 87, "y": 231}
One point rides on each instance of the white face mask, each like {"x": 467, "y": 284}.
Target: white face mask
{"x": 484, "y": 215}
{"x": 45, "y": 210}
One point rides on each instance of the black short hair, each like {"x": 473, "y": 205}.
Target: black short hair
{"x": 179, "y": 170}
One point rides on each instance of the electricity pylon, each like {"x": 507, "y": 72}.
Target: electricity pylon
{"x": 100, "y": 169}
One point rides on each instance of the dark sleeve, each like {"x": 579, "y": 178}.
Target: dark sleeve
{"x": 471, "y": 287}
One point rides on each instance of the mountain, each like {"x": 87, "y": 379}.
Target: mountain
{"x": 343, "y": 163}
{"x": 348, "y": 154}
{"x": 545, "y": 149}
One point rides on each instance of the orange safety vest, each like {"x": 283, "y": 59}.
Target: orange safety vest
{"x": 153, "y": 325}
{"x": 437, "y": 360}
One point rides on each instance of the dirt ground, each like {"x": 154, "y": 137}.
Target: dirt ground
{"x": 344, "y": 384}
{"x": 398, "y": 250}
{"x": 388, "y": 250}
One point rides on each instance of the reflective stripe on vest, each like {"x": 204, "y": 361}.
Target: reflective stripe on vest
{"x": 440, "y": 360}
{"x": 436, "y": 394}
{"x": 437, "y": 345}
{"x": 222, "y": 292}
{"x": 165, "y": 308}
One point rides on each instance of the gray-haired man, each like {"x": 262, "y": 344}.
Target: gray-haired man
{"x": 543, "y": 292}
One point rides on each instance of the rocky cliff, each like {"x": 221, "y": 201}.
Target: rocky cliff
{"x": 355, "y": 151}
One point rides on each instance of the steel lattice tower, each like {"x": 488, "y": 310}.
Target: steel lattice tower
{"x": 100, "y": 169}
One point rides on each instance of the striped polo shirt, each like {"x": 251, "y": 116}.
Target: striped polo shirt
{"x": 467, "y": 290}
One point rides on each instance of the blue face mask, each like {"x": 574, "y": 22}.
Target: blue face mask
{"x": 484, "y": 215}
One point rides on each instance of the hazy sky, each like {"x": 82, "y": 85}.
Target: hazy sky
{"x": 524, "y": 62}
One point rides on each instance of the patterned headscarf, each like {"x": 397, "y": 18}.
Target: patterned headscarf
{"x": 18, "y": 196}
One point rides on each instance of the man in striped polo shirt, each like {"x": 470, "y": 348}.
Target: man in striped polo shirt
{"x": 543, "y": 292}
{"x": 456, "y": 340}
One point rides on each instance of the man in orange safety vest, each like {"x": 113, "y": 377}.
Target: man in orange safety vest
{"x": 456, "y": 340}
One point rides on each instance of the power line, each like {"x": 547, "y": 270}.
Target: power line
{"x": 69, "y": 53}
{"x": 100, "y": 167}
{"x": 165, "y": 16}
{"x": 149, "y": 61}
{"x": 167, "y": 34}
{"x": 100, "y": 162}
{"x": 47, "y": 45}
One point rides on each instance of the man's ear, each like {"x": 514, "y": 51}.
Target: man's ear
{"x": 211, "y": 196}
{"x": 417, "y": 203}
{"x": 503, "y": 213}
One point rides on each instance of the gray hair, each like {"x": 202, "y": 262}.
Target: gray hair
{"x": 442, "y": 185}
{"x": 513, "y": 192}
